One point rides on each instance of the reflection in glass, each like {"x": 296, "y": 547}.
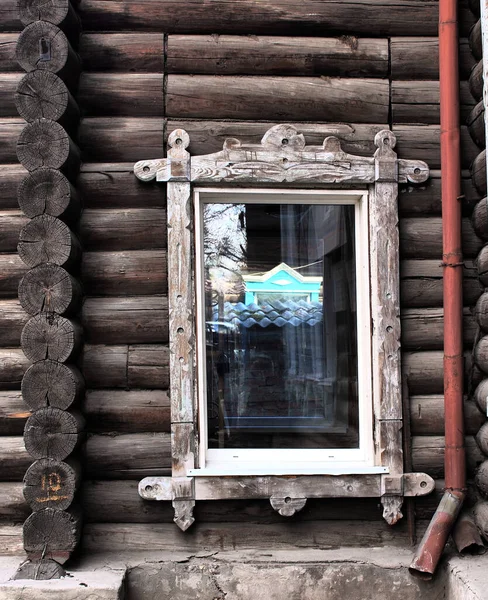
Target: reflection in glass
{"x": 280, "y": 325}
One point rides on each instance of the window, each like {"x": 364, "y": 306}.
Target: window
{"x": 283, "y": 332}
{"x": 285, "y": 382}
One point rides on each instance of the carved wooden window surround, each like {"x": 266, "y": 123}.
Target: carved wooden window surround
{"x": 282, "y": 159}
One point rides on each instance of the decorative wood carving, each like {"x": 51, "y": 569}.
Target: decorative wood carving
{"x": 283, "y": 158}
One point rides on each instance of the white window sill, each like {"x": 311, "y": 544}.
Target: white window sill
{"x": 249, "y": 470}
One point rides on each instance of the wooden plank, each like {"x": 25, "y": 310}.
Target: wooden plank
{"x": 126, "y": 412}
{"x": 8, "y": 62}
{"x": 215, "y": 97}
{"x": 278, "y": 17}
{"x": 418, "y": 58}
{"x": 275, "y": 55}
{"x": 427, "y": 415}
{"x": 418, "y": 101}
{"x": 127, "y": 94}
{"x": 122, "y": 52}
{"x": 131, "y": 320}
{"x": 11, "y": 540}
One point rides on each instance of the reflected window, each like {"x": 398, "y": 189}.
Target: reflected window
{"x": 280, "y": 289}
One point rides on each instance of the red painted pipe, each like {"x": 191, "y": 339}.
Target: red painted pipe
{"x": 435, "y": 538}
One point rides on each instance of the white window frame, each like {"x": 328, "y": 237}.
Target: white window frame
{"x": 283, "y": 160}
{"x": 280, "y": 461}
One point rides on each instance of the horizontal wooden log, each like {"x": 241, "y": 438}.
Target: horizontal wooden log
{"x": 128, "y": 456}
{"x": 124, "y": 273}
{"x": 418, "y": 58}
{"x": 214, "y": 97}
{"x": 49, "y": 288}
{"x": 60, "y": 13}
{"x": 52, "y": 534}
{"x": 50, "y": 383}
{"x": 13, "y": 413}
{"x": 42, "y": 94}
{"x": 13, "y": 319}
{"x": 51, "y": 336}
{"x": 130, "y": 229}
{"x": 123, "y": 366}
{"x": 475, "y": 41}
{"x": 44, "y": 143}
{"x": 476, "y": 125}
{"x": 481, "y": 354}
{"x": 422, "y": 238}
{"x": 10, "y": 178}
{"x": 478, "y": 173}
{"x": 8, "y": 87}
{"x": 50, "y": 483}
{"x": 482, "y": 265}
{"x": 131, "y": 320}
{"x": 423, "y": 328}
{"x": 476, "y": 81}
{"x": 13, "y": 364}
{"x": 425, "y": 371}
{"x": 48, "y": 191}
{"x": 14, "y": 458}
{"x": 481, "y": 397}
{"x": 482, "y": 438}
{"x": 422, "y": 283}
{"x": 427, "y": 415}
{"x": 253, "y": 55}
{"x": 277, "y": 17}
{"x": 122, "y": 52}
{"x": 13, "y": 506}
{"x": 127, "y": 412}
{"x": 481, "y": 312}
{"x": 10, "y": 129}
{"x": 47, "y": 239}
{"x": 53, "y": 433}
{"x": 428, "y": 455}
{"x": 128, "y": 94}
{"x": 42, "y": 45}
{"x": 8, "y": 44}
{"x": 11, "y": 539}
{"x": 418, "y": 102}
{"x": 12, "y": 269}
{"x": 11, "y": 223}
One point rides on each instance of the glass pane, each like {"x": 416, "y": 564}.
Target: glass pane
{"x": 280, "y": 325}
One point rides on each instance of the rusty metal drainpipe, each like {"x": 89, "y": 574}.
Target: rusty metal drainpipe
{"x": 435, "y": 538}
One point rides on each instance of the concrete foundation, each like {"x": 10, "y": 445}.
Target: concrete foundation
{"x": 352, "y": 573}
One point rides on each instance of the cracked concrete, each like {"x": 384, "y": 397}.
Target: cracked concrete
{"x": 353, "y": 573}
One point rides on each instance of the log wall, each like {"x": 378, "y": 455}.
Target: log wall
{"x": 227, "y": 69}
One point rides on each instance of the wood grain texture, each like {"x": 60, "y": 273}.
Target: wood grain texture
{"x": 14, "y": 458}
{"x": 13, "y": 413}
{"x": 122, "y": 52}
{"x": 13, "y": 364}
{"x": 51, "y": 336}
{"x": 52, "y": 534}
{"x": 427, "y": 415}
{"x": 10, "y": 178}
{"x": 214, "y": 97}
{"x": 53, "y": 433}
{"x": 476, "y": 81}
{"x": 272, "y": 17}
{"x": 50, "y": 383}
{"x": 275, "y": 55}
{"x": 51, "y": 483}
{"x": 8, "y": 44}
{"x": 480, "y": 219}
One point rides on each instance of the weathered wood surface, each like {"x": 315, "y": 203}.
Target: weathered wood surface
{"x": 44, "y": 143}
{"x": 8, "y": 44}
{"x": 482, "y": 265}
{"x": 423, "y": 329}
{"x": 476, "y": 81}
{"x": 10, "y": 178}
{"x": 53, "y": 433}
{"x": 122, "y": 52}
{"x": 422, "y": 283}
{"x": 481, "y": 479}
{"x": 418, "y": 102}
{"x": 118, "y": 501}
{"x": 12, "y": 269}
{"x": 131, "y": 320}
{"x": 13, "y": 413}
{"x": 276, "y": 17}
{"x": 428, "y": 455}
{"x": 49, "y": 288}
{"x": 128, "y": 94}
{"x": 476, "y": 125}
{"x": 418, "y": 58}
{"x": 60, "y": 13}
{"x": 51, "y": 336}
{"x": 125, "y": 366}
{"x": 475, "y": 42}
{"x": 12, "y": 318}
{"x": 427, "y": 415}
{"x": 253, "y": 55}
{"x": 51, "y": 533}
{"x": 482, "y": 438}
{"x": 50, "y": 483}
{"x": 50, "y": 383}
{"x": 8, "y": 87}
{"x": 422, "y": 238}
{"x": 42, "y": 94}
{"x": 11, "y": 540}
{"x": 480, "y": 397}
{"x": 481, "y": 354}
{"x": 42, "y": 45}
{"x": 127, "y": 412}
{"x": 478, "y": 173}
{"x": 13, "y": 364}
{"x": 481, "y": 312}
{"x": 14, "y": 458}
{"x": 11, "y": 223}
{"x": 42, "y": 569}
{"x": 47, "y": 239}
{"x": 426, "y": 373}
{"x": 214, "y": 97}
{"x": 129, "y": 229}
{"x": 480, "y": 219}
